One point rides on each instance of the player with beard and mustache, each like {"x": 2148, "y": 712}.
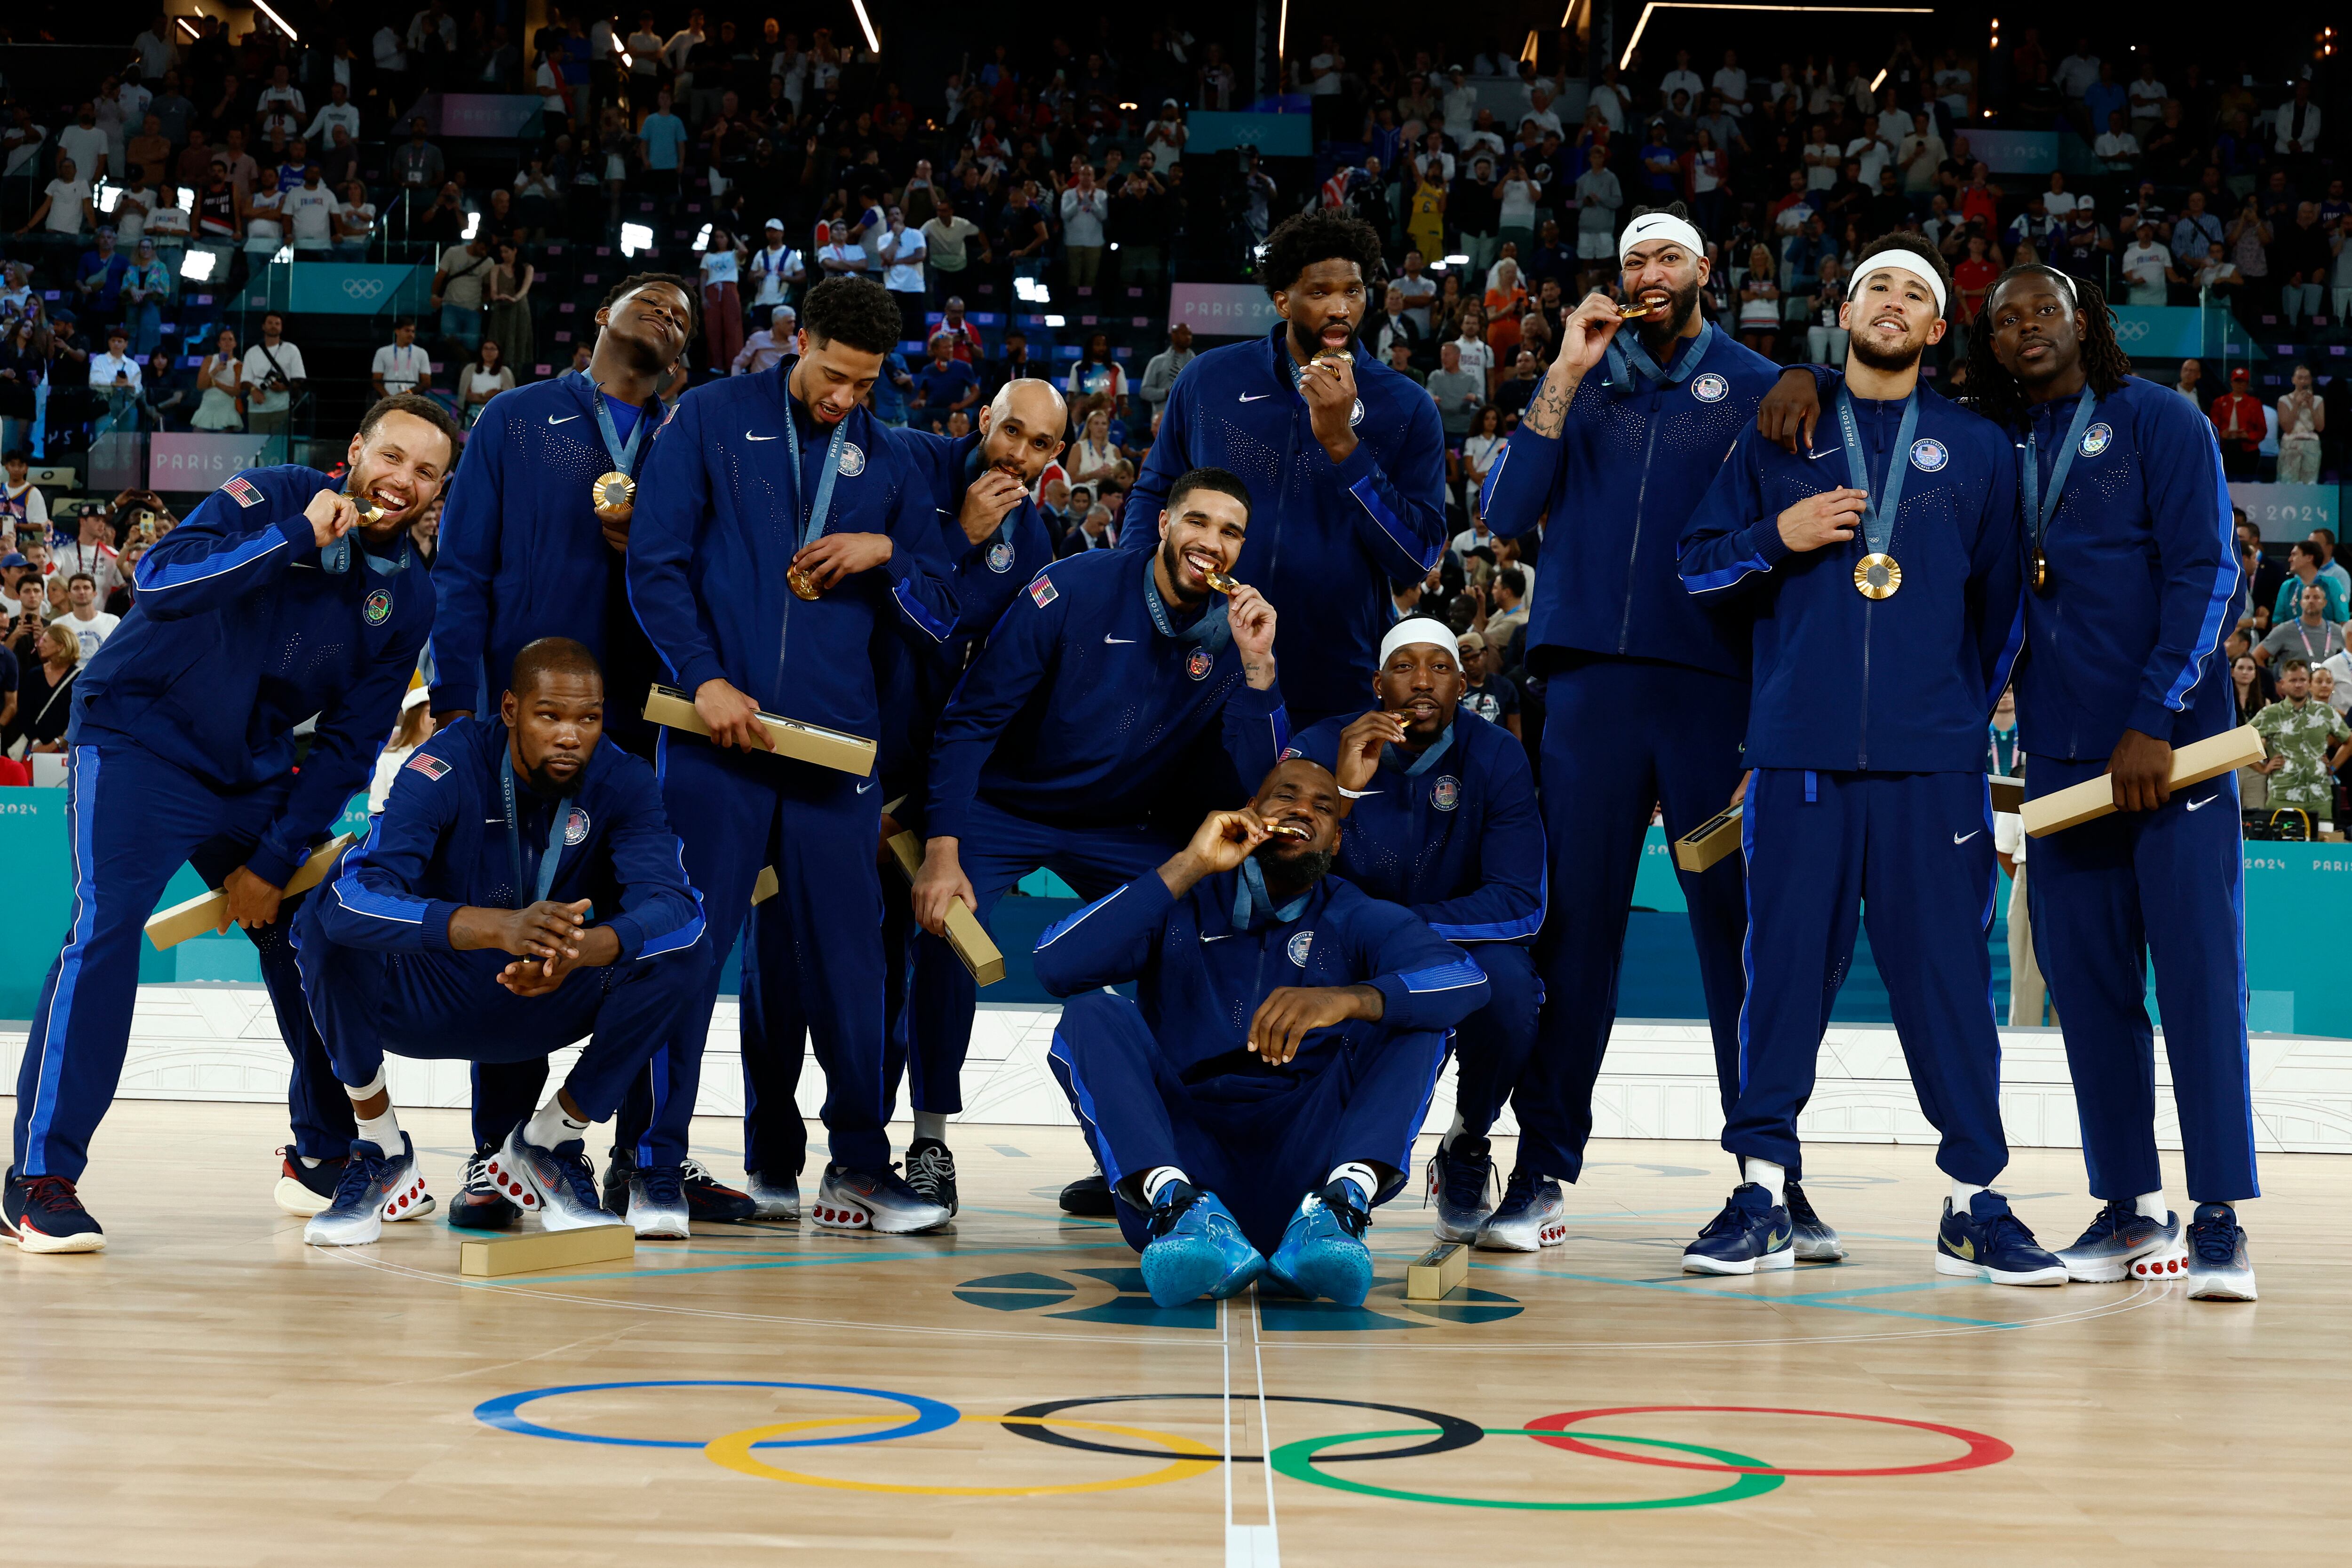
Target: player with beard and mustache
{"x": 1120, "y": 688}
{"x": 1261, "y": 1092}
{"x": 988, "y": 539}
{"x": 183, "y": 749}
{"x": 1345, "y": 459}
{"x": 1618, "y": 445}
{"x": 1883, "y": 576}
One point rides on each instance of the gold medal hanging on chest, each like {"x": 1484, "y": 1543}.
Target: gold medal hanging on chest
{"x": 799, "y": 581}
{"x": 1877, "y": 576}
{"x": 615, "y": 497}
{"x": 2037, "y": 569}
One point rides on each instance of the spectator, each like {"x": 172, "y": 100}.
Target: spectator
{"x": 85, "y": 619}
{"x": 164, "y": 393}
{"x": 2329, "y": 567}
{"x": 2311, "y": 636}
{"x": 1516, "y": 391}
{"x": 1085, "y": 208}
{"x": 2296, "y": 731}
{"x": 2191, "y": 372}
{"x": 1480, "y": 448}
{"x": 722, "y": 302}
{"x": 486, "y": 376}
{"x": 775, "y": 270}
{"x": 310, "y": 215}
{"x": 64, "y": 210}
{"x": 22, "y": 505}
{"x": 354, "y": 223}
{"x": 2301, "y": 419}
{"x": 1093, "y": 532}
{"x": 1094, "y": 458}
{"x": 222, "y": 381}
{"x": 770, "y": 345}
{"x": 949, "y": 238}
{"x": 400, "y": 365}
{"x": 1759, "y": 303}
{"x": 1097, "y": 374}
{"x": 902, "y": 251}
{"x": 945, "y": 383}
{"x": 1506, "y": 302}
{"x": 114, "y": 378}
{"x": 2148, "y": 269}
{"x": 91, "y": 552}
{"x": 2306, "y": 563}
{"x": 274, "y": 376}
{"x": 1458, "y": 392}
{"x": 2300, "y": 260}
{"x": 44, "y": 692}
{"x": 1159, "y": 374}
{"x": 2239, "y": 425}
{"x": 146, "y": 289}
{"x": 415, "y": 165}
{"x": 459, "y": 288}
{"x": 1485, "y": 690}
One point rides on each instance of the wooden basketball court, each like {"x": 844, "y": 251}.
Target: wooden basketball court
{"x": 211, "y": 1391}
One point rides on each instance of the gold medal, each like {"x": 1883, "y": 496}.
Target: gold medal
{"x": 370, "y": 513}
{"x": 615, "y": 497}
{"x": 1333, "y": 356}
{"x": 1877, "y": 576}
{"x": 802, "y": 583}
{"x": 1631, "y": 312}
{"x": 1221, "y": 583}
{"x": 2037, "y": 571}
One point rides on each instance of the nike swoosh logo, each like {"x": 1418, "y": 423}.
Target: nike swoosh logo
{"x": 864, "y": 786}
{"x": 1110, "y": 638}
{"x": 2201, "y": 805}
{"x": 1253, "y": 397}
{"x": 1963, "y": 838}
{"x": 567, "y": 419}
{"x": 1814, "y": 457}
{"x": 1218, "y": 938}
{"x": 1774, "y": 1243}
{"x": 749, "y": 437}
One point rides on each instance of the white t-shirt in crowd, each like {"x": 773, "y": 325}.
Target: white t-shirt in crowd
{"x": 66, "y": 198}
{"x": 719, "y": 267}
{"x": 401, "y": 368}
{"x": 93, "y": 631}
{"x": 256, "y": 371}
{"x": 905, "y": 275}
{"x": 311, "y": 215}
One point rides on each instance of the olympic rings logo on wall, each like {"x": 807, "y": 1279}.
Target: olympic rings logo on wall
{"x": 2128, "y": 330}
{"x": 363, "y": 287}
{"x": 1305, "y": 1459}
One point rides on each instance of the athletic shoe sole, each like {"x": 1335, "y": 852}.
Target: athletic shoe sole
{"x": 833, "y": 1212}
{"x": 31, "y": 1240}
{"x": 1551, "y": 1233}
{"x": 2121, "y": 1266}
{"x": 2170, "y": 1264}
{"x": 518, "y": 1187}
{"x": 776, "y": 1207}
{"x": 1947, "y": 1264}
{"x": 1830, "y": 1251}
{"x": 295, "y": 1198}
{"x": 1694, "y": 1263}
{"x": 659, "y": 1224}
{"x": 2226, "y": 1288}
{"x": 1445, "y": 1232}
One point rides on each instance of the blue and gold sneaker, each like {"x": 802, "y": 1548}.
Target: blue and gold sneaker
{"x": 2119, "y": 1237}
{"x": 1196, "y": 1249}
{"x": 2219, "y": 1269}
{"x": 1753, "y": 1235}
{"x": 1323, "y": 1251}
{"x": 1461, "y": 1177}
{"x": 1989, "y": 1242}
{"x": 376, "y": 1186}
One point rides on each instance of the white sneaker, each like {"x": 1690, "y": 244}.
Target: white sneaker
{"x": 376, "y": 1186}
{"x": 1530, "y": 1218}
{"x": 861, "y": 1200}
{"x": 658, "y": 1203}
{"x": 776, "y": 1200}
{"x": 555, "y": 1184}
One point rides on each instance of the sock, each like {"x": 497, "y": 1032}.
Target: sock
{"x": 1158, "y": 1178}
{"x": 307, "y": 1163}
{"x": 1360, "y": 1173}
{"x": 1772, "y": 1178}
{"x": 383, "y": 1131}
{"x": 548, "y": 1126}
{"x": 1961, "y": 1192}
{"x": 931, "y": 1125}
{"x": 1453, "y": 1131}
{"x": 2151, "y": 1205}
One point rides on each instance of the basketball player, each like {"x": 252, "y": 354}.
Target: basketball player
{"x": 510, "y": 857}
{"x": 1618, "y": 445}
{"x": 1895, "y": 550}
{"x": 1117, "y": 686}
{"x": 276, "y": 601}
{"x": 987, "y": 537}
{"x": 1442, "y": 819}
{"x": 1287, "y": 1032}
{"x": 531, "y": 543}
{"x": 1344, "y": 458}
{"x": 774, "y": 532}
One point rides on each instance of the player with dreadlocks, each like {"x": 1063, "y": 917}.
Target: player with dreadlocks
{"x": 2130, "y": 563}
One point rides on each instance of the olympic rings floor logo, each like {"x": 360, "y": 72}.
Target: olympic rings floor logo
{"x": 1308, "y": 1460}
{"x": 1130, "y": 1303}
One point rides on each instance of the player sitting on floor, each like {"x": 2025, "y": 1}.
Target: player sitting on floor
{"x": 455, "y": 930}
{"x": 1287, "y": 1032}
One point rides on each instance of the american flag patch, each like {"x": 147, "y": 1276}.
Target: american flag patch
{"x": 242, "y": 491}
{"x": 433, "y": 767}
{"x": 1043, "y": 591}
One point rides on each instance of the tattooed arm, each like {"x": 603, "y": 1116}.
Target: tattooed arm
{"x": 1584, "y": 337}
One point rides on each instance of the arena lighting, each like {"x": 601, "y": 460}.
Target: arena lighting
{"x": 473, "y": 225}
{"x": 188, "y": 198}
{"x": 285, "y": 254}
{"x": 188, "y": 25}
{"x": 283, "y": 25}
{"x": 108, "y": 197}
{"x": 1282, "y": 30}
{"x": 872, "y": 41}
{"x": 1626, "y": 60}
{"x": 1879, "y": 77}
{"x": 702, "y": 240}
{"x": 1056, "y": 321}
{"x": 636, "y": 237}
{"x": 1568, "y": 15}
{"x": 197, "y": 266}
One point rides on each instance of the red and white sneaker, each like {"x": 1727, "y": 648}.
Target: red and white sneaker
{"x": 864, "y": 1200}
{"x": 376, "y": 1186}
{"x": 556, "y": 1183}
{"x": 43, "y": 1214}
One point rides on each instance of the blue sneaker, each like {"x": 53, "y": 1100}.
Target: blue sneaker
{"x": 1461, "y": 1177}
{"x": 376, "y": 1186}
{"x": 1753, "y": 1235}
{"x": 479, "y": 1206}
{"x": 41, "y": 1214}
{"x": 1531, "y": 1217}
{"x": 1323, "y": 1251}
{"x": 2219, "y": 1269}
{"x": 658, "y": 1203}
{"x": 2119, "y": 1238}
{"x": 1196, "y": 1249}
{"x": 555, "y": 1184}
{"x": 1989, "y": 1242}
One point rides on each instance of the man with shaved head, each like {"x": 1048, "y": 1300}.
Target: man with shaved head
{"x": 1261, "y": 1090}
{"x": 988, "y": 539}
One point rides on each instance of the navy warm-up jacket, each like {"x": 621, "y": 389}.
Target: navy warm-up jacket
{"x": 1325, "y": 539}
{"x": 1618, "y": 482}
{"x": 1842, "y": 682}
{"x": 1201, "y": 978}
{"x": 443, "y": 841}
{"x": 236, "y": 634}
{"x": 1460, "y": 843}
{"x": 2143, "y": 569}
{"x": 1080, "y": 711}
{"x": 717, "y": 524}
{"x": 522, "y": 556}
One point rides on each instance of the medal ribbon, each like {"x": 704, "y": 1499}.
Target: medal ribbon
{"x": 549, "y": 856}
{"x": 1626, "y": 356}
{"x": 1397, "y": 757}
{"x": 335, "y": 558}
{"x": 813, "y": 529}
{"x": 1877, "y": 512}
{"x": 623, "y": 455}
{"x": 1212, "y": 630}
{"x": 1251, "y": 896}
{"x": 2040, "y": 509}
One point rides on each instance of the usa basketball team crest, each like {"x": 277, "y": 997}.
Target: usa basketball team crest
{"x": 377, "y": 607}
{"x": 1199, "y": 666}
{"x": 1447, "y": 793}
{"x": 575, "y": 827}
{"x": 1710, "y": 388}
{"x": 1928, "y": 455}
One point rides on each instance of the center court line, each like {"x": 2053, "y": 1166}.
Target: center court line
{"x": 1251, "y": 1545}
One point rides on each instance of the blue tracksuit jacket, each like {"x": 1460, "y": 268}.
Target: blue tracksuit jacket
{"x": 717, "y": 524}
{"x": 1617, "y": 485}
{"x": 1459, "y": 840}
{"x": 1325, "y": 539}
{"x": 1201, "y": 978}
{"x": 915, "y": 673}
{"x": 1079, "y": 711}
{"x": 522, "y": 556}
{"x": 2143, "y": 573}
{"x": 1902, "y": 685}
{"x": 236, "y": 635}
{"x": 443, "y": 841}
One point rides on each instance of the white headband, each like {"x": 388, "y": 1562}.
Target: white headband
{"x": 1660, "y": 225}
{"x": 1419, "y": 629}
{"x": 1903, "y": 261}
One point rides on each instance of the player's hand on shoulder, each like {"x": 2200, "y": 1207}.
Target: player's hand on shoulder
{"x": 1790, "y": 410}
{"x": 1828, "y": 518}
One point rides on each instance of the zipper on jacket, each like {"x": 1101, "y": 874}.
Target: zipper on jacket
{"x": 1862, "y": 758}
{"x": 1641, "y": 501}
